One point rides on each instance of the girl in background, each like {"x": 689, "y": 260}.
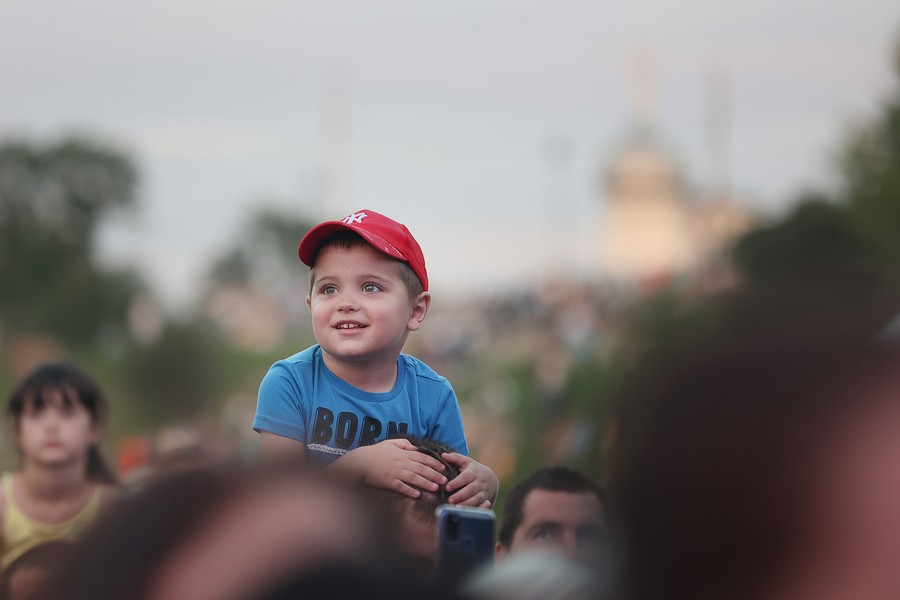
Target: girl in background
{"x": 57, "y": 414}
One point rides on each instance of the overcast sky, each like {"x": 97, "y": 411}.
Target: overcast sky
{"x": 438, "y": 113}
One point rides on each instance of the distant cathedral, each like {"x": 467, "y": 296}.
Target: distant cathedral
{"x": 656, "y": 228}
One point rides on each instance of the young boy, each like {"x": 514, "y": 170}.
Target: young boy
{"x": 339, "y": 400}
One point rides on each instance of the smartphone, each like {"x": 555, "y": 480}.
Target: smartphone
{"x": 465, "y": 541}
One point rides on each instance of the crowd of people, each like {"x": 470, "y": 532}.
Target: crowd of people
{"x": 757, "y": 461}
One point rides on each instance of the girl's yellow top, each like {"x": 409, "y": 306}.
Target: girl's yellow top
{"x": 21, "y": 533}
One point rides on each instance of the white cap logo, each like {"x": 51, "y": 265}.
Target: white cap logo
{"x": 354, "y": 218}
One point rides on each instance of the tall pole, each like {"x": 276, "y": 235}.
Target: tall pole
{"x": 718, "y": 132}
{"x": 335, "y": 143}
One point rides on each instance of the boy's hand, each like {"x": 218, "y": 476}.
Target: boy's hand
{"x": 395, "y": 464}
{"x": 476, "y": 484}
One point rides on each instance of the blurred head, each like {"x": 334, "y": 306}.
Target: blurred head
{"x": 65, "y": 391}
{"x": 762, "y": 464}
{"x": 413, "y": 519}
{"x": 535, "y": 576}
{"x": 24, "y": 577}
{"x": 372, "y": 582}
{"x": 221, "y": 534}
{"x": 556, "y": 510}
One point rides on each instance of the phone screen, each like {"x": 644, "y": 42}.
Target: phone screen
{"x": 465, "y": 541}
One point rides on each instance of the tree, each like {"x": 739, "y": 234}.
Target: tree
{"x": 850, "y": 235}
{"x": 266, "y": 255}
{"x": 174, "y": 378}
{"x": 52, "y": 200}
{"x": 870, "y": 165}
{"x": 817, "y": 242}
{"x": 265, "y": 261}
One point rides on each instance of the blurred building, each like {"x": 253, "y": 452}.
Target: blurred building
{"x": 658, "y": 227}
{"x": 650, "y": 230}
{"x": 251, "y": 317}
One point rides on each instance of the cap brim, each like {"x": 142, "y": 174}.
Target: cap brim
{"x": 309, "y": 245}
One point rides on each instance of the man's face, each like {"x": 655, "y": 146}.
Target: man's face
{"x": 564, "y": 522}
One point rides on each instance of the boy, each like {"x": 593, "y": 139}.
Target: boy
{"x": 335, "y": 400}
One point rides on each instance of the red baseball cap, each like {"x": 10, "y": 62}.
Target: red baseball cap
{"x": 386, "y": 235}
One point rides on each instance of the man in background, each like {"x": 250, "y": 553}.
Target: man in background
{"x": 558, "y": 510}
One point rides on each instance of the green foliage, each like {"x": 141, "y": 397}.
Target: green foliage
{"x": 850, "y": 234}
{"x": 870, "y": 165}
{"x": 817, "y": 241}
{"x": 174, "y": 377}
{"x": 52, "y": 199}
{"x": 232, "y": 268}
{"x": 62, "y": 191}
{"x": 266, "y": 254}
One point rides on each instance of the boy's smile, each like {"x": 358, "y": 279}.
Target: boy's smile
{"x": 361, "y": 308}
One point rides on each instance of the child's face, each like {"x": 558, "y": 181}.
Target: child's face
{"x": 361, "y": 309}
{"x": 55, "y": 429}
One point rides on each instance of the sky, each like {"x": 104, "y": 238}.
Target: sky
{"x": 485, "y": 126}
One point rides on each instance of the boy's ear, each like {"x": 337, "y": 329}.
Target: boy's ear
{"x": 418, "y": 311}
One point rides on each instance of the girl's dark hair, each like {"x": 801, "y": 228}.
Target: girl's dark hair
{"x": 77, "y": 386}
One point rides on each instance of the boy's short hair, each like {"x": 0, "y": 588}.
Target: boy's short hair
{"x": 386, "y": 235}
{"x": 424, "y": 506}
{"x": 347, "y": 240}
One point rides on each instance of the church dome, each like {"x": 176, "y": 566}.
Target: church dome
{"x": 643, "y": 165}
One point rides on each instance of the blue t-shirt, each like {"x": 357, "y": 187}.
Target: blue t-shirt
{"x": 299, "y": 398}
